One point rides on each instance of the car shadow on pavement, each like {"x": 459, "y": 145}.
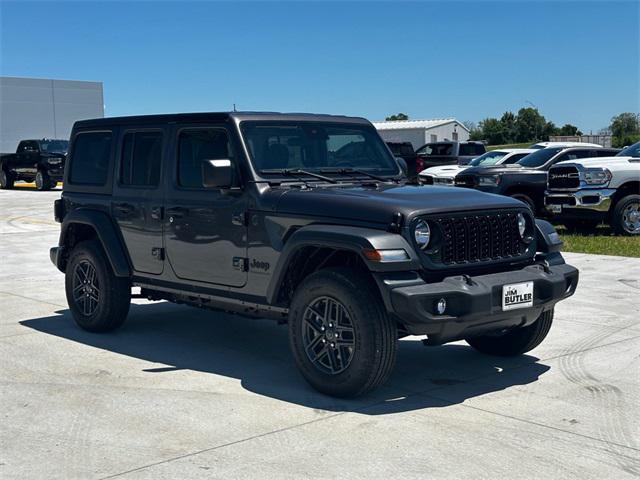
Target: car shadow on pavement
{"x": 256, "y": 352}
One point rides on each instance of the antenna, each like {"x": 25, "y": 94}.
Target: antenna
{"x": 234, "y": 108}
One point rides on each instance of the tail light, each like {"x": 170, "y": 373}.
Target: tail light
{"x": 419, "y": 164}
{"x": 58, "y": 210}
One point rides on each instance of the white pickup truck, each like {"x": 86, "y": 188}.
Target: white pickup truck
{"x": 583, "y": 193}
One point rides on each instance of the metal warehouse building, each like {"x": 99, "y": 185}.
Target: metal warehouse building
{"x": 419, "y": 132}
{"x": 44, "y": 108}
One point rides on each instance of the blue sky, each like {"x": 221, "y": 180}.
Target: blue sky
{"x": 577, "y": 61}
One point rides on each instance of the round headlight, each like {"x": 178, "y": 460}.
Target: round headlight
{"x": 422, "y": 234}
{"x": 522, "y": 225}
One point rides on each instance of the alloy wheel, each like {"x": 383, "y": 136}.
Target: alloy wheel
{"x": 328, "y": 335}
{"x": 86, "y": 289}
{"x": 631, "y": 218}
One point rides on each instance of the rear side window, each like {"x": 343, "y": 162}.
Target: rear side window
{"x": 141, "y": 159}
{"x": 90, "y": 158}
{"x": 515, "y": 158}
{"x": 471, "y": 149}
{"x": 195, "y": 146}
{"x": 574, "y": 155}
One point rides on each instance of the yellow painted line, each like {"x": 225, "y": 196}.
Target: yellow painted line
{"x": 31, "y": 185}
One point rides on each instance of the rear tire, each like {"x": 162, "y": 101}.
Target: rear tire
{"x": 514, "y": 342}
{"x": 626, "y": 216}
{"x": 6, "y": 180}
{"x": 43, "y": 182}
{"x": 99, "y": 301}
{"x": 337, "y": 320}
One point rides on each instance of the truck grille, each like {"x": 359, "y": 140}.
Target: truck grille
{"x": 479, "y": 238}
{"x": 468, "y": 181}
{"x": 564, "y": 178}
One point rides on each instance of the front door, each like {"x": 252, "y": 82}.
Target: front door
{"x": 137, "y": 197}
{"x": 205, "y": 229}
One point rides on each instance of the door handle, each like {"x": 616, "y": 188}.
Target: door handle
{"x": 124, "y": 208}
{"x": 176, "y": 212}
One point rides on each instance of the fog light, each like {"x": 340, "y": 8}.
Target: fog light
{"x": 441, "y": 306}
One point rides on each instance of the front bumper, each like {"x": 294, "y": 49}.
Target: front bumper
{"x": 597, "y": 200}
{"x": 474, "y": 304}
{"x": 434, "y": 180}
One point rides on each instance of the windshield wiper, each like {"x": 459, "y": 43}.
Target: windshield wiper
{"x": 359, "y": 172}
{"x": 298, "y": 171}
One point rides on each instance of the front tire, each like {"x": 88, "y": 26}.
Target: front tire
{"x": 342, "y": 340}
{"x": 626, "y": 216}
{"x": 43, "y": 182}
{"x": 99, "y": 301}
{"x": 517, "y": 341}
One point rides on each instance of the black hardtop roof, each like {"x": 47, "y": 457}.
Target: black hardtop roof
{"x": 44, "y": 140}
{"x": 586, "y": 147}
{"x": 204, "y": 117}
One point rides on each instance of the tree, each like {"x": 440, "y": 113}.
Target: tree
{"x": 530, "y": 125}
{"x": 508, "y": 121}
{"x": 625, "y": 129}
{"x": 397, "y": 116}
{"x": 568, "y": 130}
{"x": 492, "y": 131}
{"x": 625, "y": 124}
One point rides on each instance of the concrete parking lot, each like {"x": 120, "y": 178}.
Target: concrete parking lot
{"x": 184, "y": 393}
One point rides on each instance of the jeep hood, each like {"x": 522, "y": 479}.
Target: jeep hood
{"x": 379, "y": 204}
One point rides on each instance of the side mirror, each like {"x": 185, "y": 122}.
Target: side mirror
{"x": 403, "y": 165}
{"x": 217, "y": 173}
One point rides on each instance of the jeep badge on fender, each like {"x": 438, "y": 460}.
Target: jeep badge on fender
{"x": 338, "y": 245}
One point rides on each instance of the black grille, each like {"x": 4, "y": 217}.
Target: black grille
{"x": 426, "y": 179}
{"x": 465, "y": 181}
{"x": 479, "y": 238}
{"x": 564, "y": 177}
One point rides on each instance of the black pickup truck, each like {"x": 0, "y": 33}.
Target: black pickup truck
{"x": 39, "y": 161}
{"x": 526, "y": 180}
{"x": 436, "y": 154}
{"x": 305, "y": 219}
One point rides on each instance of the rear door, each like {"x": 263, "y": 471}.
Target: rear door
{"x": 27, "y": 158}
{"x": 205, "y": 229}
{"x": 137, "y": 196}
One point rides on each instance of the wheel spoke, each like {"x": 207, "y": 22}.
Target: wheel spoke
{"x": 328, "y": 337}
{"x": 85, "y": 288}
{"x": 334, "y": 360}
{"x": 314, "y": 323}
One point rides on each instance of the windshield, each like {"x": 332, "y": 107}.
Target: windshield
{"x": 317, "y": 147}
{"x": 489, "y": 158}
{"x": 630, "y": 151}
{"x": 436, "y": 149}
{"x": 539, "y": 158}
{"x": 54, "y": 146}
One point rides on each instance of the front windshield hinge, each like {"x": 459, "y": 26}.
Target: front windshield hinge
{"x": 396, "y": 223}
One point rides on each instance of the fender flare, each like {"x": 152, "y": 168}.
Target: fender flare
{"x": 354, "y": 239}
{"x": 106, "y": 233}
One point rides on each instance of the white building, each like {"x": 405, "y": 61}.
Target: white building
{"x": 419, "y": 132}
{"x": 44, "y": 108}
